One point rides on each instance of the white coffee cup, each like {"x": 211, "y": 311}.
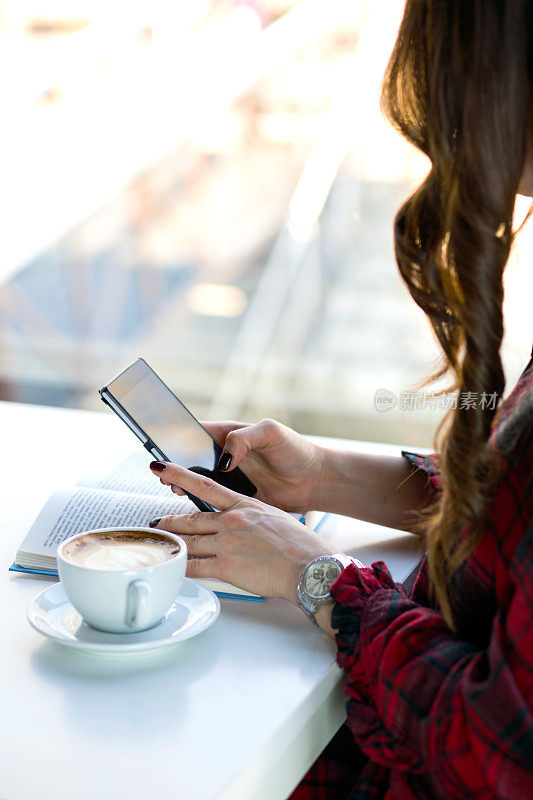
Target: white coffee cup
{"x": 123, "y": 600}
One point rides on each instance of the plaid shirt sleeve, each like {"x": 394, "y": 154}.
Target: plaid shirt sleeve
{"x": 429, "y": 464}
{"x": 423, "y": 701}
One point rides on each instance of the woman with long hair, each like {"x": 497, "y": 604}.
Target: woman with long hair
{"x": 440, "y": 680}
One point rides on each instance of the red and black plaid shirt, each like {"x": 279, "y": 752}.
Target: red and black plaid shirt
{"x": 433, "y": 714}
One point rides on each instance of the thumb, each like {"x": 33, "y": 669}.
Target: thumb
{"x": 243, "y": 440}
{"x": 236, "y": 446}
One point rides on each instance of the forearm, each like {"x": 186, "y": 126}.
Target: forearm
{"x": 385, "y": 490}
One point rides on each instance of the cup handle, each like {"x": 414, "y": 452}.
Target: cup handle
{"x": 138, "y": 604}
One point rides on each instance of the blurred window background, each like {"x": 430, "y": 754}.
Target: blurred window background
{"x": 211, "y": 185}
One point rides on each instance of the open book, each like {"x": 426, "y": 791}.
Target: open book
{"x": 128, "y": 495}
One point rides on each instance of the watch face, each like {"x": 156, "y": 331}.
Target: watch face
{"x": 320, "y": 577}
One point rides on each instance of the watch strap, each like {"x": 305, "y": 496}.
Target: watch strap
{"x": 308, "y": 606}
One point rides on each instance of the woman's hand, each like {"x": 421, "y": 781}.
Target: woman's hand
{"x": 247, "y": 543}
{"x": 286, "y": 468}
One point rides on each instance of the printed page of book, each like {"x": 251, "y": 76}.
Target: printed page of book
{"x": 77, "y": 509}
{"x": 130, "y": 474}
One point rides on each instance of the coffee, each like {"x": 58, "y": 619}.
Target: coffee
{"x": 120, "y": 550}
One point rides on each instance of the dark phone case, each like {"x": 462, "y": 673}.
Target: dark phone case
{"x": 236, "y": 479}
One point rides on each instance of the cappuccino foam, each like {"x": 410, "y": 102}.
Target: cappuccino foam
{"x": 127, "y": 550}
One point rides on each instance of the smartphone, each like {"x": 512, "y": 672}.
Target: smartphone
{"x": 167, "y": 428}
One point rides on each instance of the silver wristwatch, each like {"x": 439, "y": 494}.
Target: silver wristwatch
{"x": 316, "y": 580}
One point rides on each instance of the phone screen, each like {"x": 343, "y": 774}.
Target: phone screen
{"x": 170, "y": 425}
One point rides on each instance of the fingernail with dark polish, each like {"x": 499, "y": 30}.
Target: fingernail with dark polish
{"x": 224, "y": 462}
{"x": 158, "y": 466}
{"x": 154, "y": 522}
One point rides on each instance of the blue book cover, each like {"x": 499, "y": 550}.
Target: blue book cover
{"x": 52, "y": 573}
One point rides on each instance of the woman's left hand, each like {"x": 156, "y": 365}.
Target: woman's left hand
{"x": 248, "y": 543}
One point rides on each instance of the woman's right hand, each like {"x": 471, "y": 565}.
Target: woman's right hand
{"x": 294, "y": 474}
{"x": 286, "y": 468}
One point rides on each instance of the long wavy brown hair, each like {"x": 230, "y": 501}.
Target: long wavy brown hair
{"x": 457, "y": 87}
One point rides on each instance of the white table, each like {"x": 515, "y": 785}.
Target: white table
{"x": 239, "y": 712}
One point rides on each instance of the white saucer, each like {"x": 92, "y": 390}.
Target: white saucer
{"x": 194, "y": 610}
